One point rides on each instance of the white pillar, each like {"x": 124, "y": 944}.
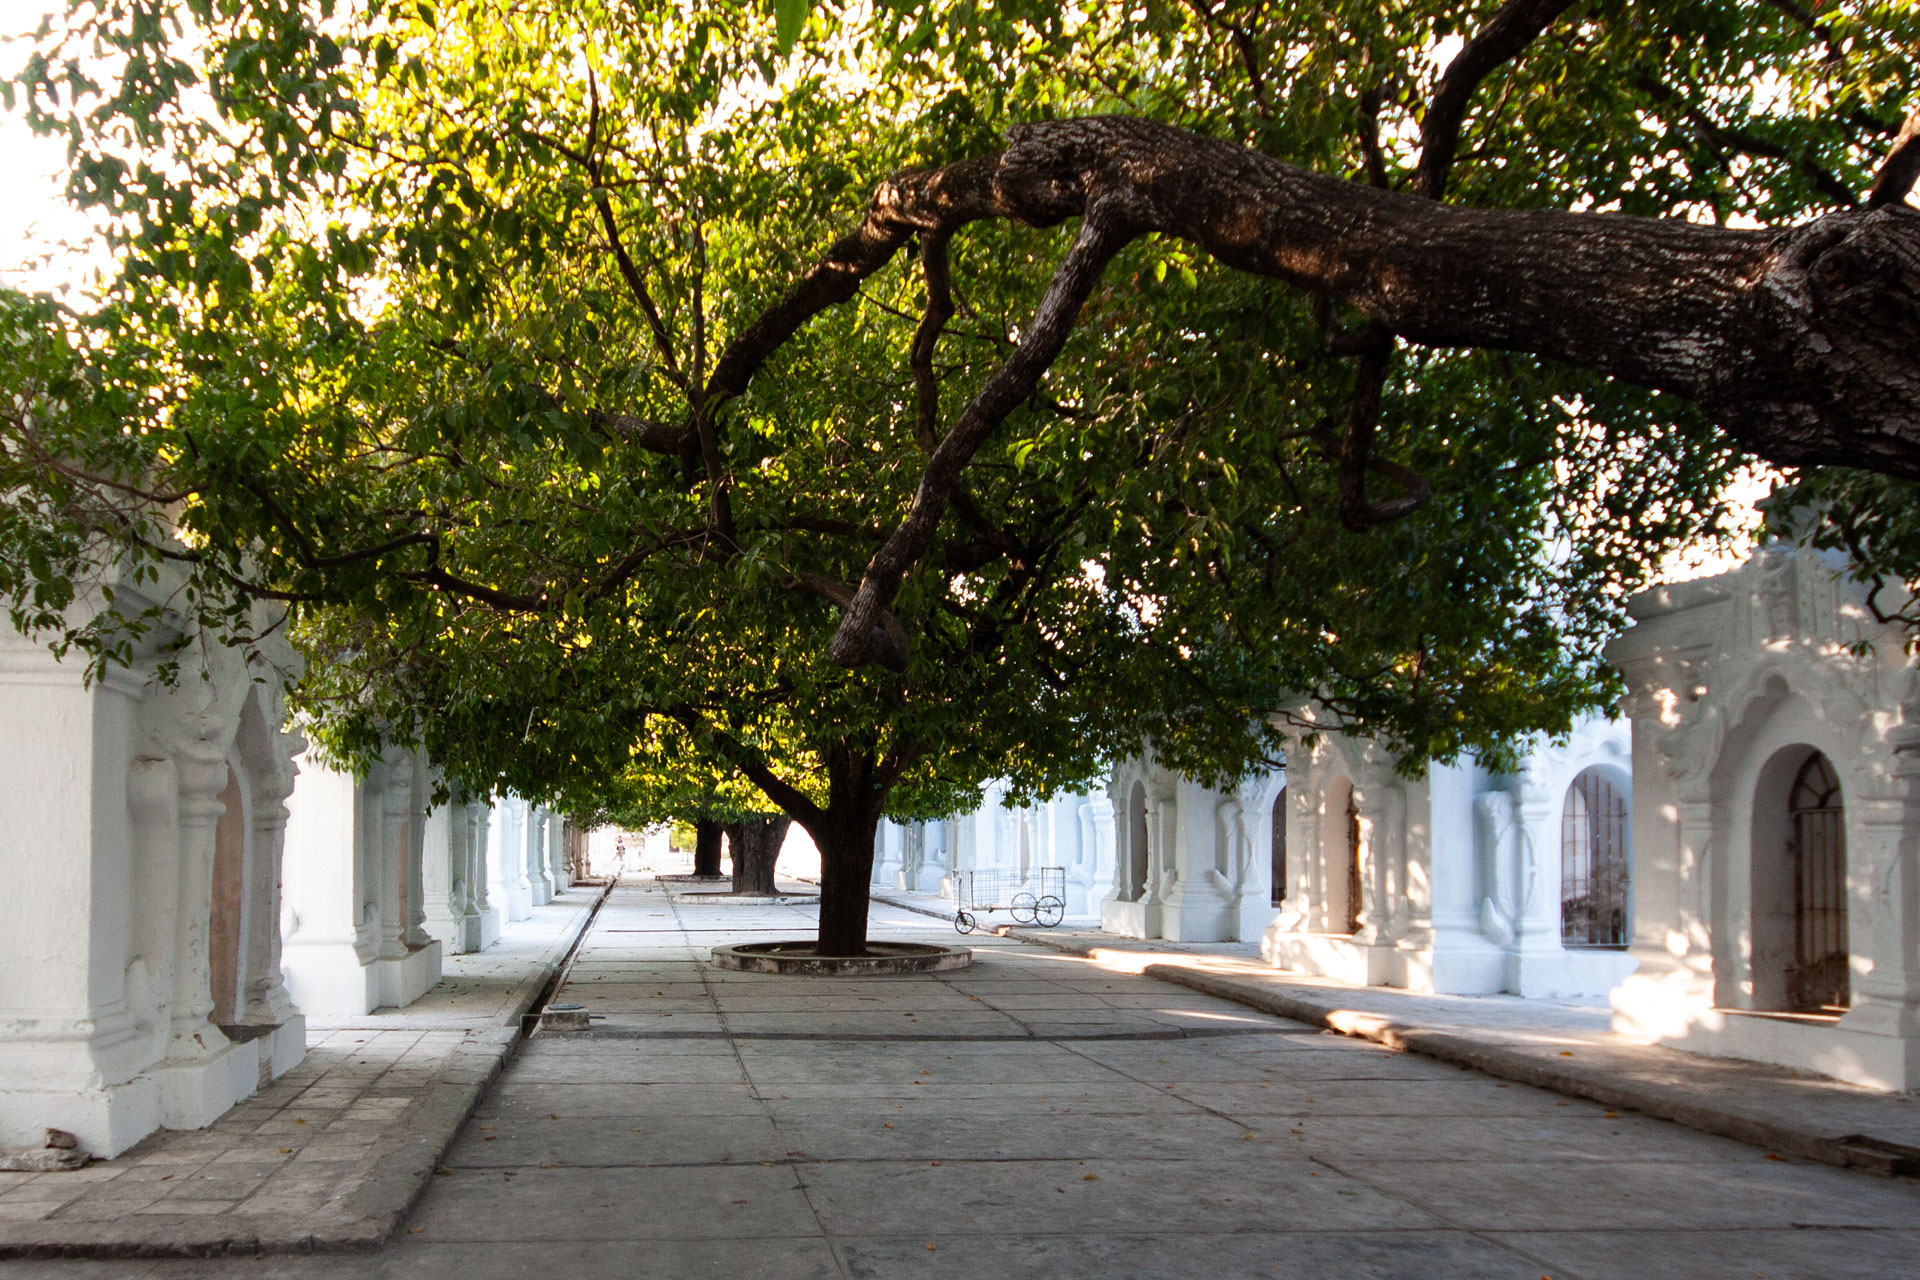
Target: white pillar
{"x": 487, "y": 907}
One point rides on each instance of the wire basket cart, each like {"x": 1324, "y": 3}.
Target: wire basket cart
{"x": 1037, "y": 897}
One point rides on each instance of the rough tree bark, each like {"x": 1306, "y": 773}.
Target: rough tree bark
{"x": 756, "y": 847}
{"x": 843, "y": 832}
{"x": 706, "y": 847}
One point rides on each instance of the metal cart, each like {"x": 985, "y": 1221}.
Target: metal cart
{"x": 1037, "y": 897}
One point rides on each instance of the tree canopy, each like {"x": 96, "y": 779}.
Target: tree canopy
{"x": 881, "y": 400}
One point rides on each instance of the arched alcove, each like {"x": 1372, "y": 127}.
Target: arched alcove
{"x": 1136, "y": 864}
{"x": 1819, "y": 977}
{"x": 1596, "y": 862}
{"x": 226, "y": 928}
{"x": 1800, "y": 957}
{"x": 1340, "y": 856}
{"x": 1278, "y": 819}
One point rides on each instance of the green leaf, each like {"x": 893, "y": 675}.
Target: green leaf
{"x": 789, "y": 19}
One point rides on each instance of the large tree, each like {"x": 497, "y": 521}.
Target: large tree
{"x": 1192, "y": 357}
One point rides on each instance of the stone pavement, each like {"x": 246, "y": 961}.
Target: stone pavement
{"x": 1569, "y": 1048}
{"x": 1045, "y": 1114}
{"x": 334, "y": 1153}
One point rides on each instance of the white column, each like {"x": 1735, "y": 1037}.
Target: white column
{"x": 330, "y": 939}
{"x": 384, "y": 816}
{"x": 559, "y": 832}
{"x": 82, "y": 1012}
{"x": 414, "y": 774}
{"x": 539, "y": 883}
{"x": 202, "y": 772}
{"x": 486, "y": 906}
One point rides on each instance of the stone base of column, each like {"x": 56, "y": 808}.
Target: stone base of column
{"x": 106, "y": 1119}
{"x": 491, "y": 921}
{"x": 328, "y": 980}
{"x": 1131, "y": 919}
{"x": 195, "y": 1094}
{"x": 1559, "y": 974}
{"x": 401, "y": 981}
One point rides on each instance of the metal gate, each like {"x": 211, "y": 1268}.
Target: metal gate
{"x": 1819, "y": 980}
{"x": 1596, "y": 869}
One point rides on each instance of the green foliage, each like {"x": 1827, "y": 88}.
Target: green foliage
{"x": 369, "y": 325}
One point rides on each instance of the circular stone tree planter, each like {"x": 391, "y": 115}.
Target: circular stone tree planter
{"x": 797, "y": 957}
{"x": 717, "y": 897}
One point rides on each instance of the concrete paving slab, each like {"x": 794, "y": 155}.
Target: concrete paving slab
{"x": 1546, "y": 1195}
{"x": 687, "y": 1202}
{"x": 1444, "y": 1140}
{"x": 570, "y": 1101}
{"x": 1062, "y": 1133}
{"x": 1027, "y": 1196}
{"x": 1726, "y": 1254}
{"x": 1303, "y": 1255}
{"x": 771, "y": 1258}
{"x": 604, "y": 1140}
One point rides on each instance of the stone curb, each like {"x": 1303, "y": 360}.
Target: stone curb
{"x": 1610, "y": 1085}
{"x": 373, "y": 1211}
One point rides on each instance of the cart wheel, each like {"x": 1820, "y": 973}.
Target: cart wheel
{"x": 963, "y": 922}
{"x": 1023, "y": 907}
{"x": 1050, "y": 911}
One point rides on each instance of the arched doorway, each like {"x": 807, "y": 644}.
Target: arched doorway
{"x": 1355, "y": 882}
{"x": 1819, "y": 978}
{"x": 1279, "y": 819}
{"x": 226, "y": 928}
{"x": 1596, "y": 867}
{"x": 1136, "y": 842}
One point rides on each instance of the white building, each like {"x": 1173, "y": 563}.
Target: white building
{"x": 1776, "y": 726}
{"x": 1071, "y": 832}
{"x": 1190, "y": 864}
{"x": 140, "y": 971}
{"x": 1461, "y": 880}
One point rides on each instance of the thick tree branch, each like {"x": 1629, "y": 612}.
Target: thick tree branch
{"x": 886, "y": 644}
{"x": 1517, "y": 24}
{"x": 1900, "y": 169}
{"x": 926, "y": 383}
{"x": 1107, "y": 227}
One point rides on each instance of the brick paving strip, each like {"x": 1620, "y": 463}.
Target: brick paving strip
{"x": 1568, "y": 1049}
{"x": 334, "y": 1154}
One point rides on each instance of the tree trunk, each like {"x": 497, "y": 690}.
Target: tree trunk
{"x": 706, "y": 848}
{"x": 756, "y": 847}
{"x": 846, "y": 876}
{"x": 844, "y": 831}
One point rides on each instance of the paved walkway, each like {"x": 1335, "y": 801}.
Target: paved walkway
{"x": 1569, "y": 1048}
{"x": 1047, "y": 1115}
{"x": 335, "y": 1152}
